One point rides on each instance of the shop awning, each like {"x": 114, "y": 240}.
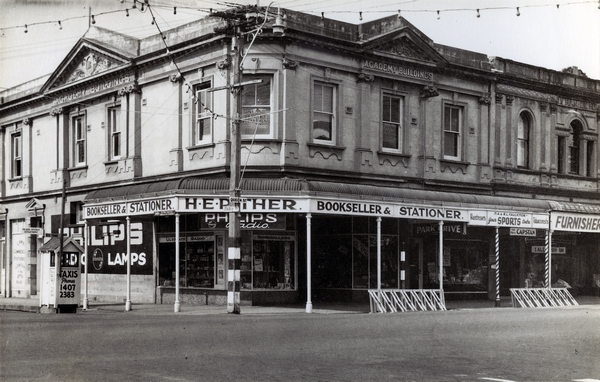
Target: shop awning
{"x": 576, "y": 207}
{"x": 302, "y": 187}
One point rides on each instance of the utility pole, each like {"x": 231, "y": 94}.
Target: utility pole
{"x": 237, "y": 20}
{"x": 235, "y": 237}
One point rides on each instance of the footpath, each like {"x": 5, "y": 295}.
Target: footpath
{"x": 32, "y": 305}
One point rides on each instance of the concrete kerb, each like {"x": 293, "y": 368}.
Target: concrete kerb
{"x": 32, "y": 305}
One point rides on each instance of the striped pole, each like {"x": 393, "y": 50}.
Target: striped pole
{"x": 379, "y": 256}
{"x": 497, "y": 267}
{"x": 441, "y": 255}
{"x": 548, "y": 258}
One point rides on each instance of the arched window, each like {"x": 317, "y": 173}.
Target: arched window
{"x": 523, "y": 139}
{"x": 577, "y": 151}
{"x": 574, "y": 147}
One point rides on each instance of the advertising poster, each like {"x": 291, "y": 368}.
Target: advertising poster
{"x": 107, "y": 247}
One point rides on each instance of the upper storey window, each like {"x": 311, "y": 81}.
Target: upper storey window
{"x": 202, "y": 133}
{"x": 114, "y": 130}
{"x": 78, "y": 140}
{"x": 577, "y": 151}
{"x": 575, "y": 148}
{"x": 391, "y": 120}
{"x": 16, "y": 155}
{"x": 453, "y": 116}
{"x": 324, "y": 113}
{"x": 523, "y": 139}
{"x": 256, "y": 107}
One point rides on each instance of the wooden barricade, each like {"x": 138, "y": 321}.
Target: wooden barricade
{"x": 402, "y": 300}
{"x": 541, "y": 297}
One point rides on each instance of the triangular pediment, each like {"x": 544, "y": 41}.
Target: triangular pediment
{"x": 95, "y": 54}
{"x": 405, "y": 48}
{"x": 407, "y": 45}
{"x": 35, "y": 204}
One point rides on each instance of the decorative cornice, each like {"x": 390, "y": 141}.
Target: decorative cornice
{"x": 132, "y": 88}
{"x": 225, "y": 64}
{"x": 485, "y": 99}
{"x": 176, "y": 77}
{"x": 290, "y": 64}
{"x": 56, "y": 111}
{"x": 362, "y": 77}
{"x": 429, "y": 91}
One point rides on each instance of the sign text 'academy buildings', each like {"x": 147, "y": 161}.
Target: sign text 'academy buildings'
{"x": 471, "y": 170}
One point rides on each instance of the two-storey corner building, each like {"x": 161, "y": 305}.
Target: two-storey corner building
{"x": 477, "y": 174}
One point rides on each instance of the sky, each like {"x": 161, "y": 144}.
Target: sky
{"x": 544, "y": 34}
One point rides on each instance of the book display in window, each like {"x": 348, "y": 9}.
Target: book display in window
{"x": 200, "y": 258}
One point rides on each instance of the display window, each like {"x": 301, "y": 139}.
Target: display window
{"x": 465, "y": 265}
{"x": 201, "y": 260}
{"x": 268, "y": 257}
{"x": 268, "y": 261}
{"x": 346, "y": 253}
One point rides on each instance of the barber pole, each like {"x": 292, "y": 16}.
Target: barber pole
{"x": 497, "y": 267}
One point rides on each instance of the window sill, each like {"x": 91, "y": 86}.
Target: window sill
{"x": 16, "y": 179}
{"x": 260, "y": 140}
{"x": 393, "y": 154}
{"x": 325, "y": 146}
{"x": 200, "y": 146}
{"x": 78, "y": 168}
{"x": 455, "y": 161}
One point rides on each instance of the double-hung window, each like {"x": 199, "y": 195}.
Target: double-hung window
{"x": 202, "y": 133}
{"x": 324, "y": 113}
{"x": 391, "y": 123}
{"x": 256, "y": 107}
{"x": 78, "y": 134}
{"x": 114, "y": 131}
{"x": 523, "y": 131}
{"x": 16, "y": 155}
{"x": 452, "y": 132}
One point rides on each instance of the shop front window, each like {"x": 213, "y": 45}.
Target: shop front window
{"x": 197, "y": 260}
{"x": 268, "y": 261}
{"x": 465, "y": 266}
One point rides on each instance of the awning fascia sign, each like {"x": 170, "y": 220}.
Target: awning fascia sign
{"x": 137, "y": 207}
{"x": 319, "y": 205}
{"x": 572, "y": 222}
{"x": 508, "y": 219}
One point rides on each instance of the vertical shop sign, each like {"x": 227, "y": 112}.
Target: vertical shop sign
{"x": 20, "y": 262}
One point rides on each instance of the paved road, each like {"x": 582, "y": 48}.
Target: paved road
{"x": 554, "y": 344}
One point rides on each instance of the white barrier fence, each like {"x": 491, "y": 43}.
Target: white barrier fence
{"x": 541, "y": 297}
{"x": 402, "y": 300}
